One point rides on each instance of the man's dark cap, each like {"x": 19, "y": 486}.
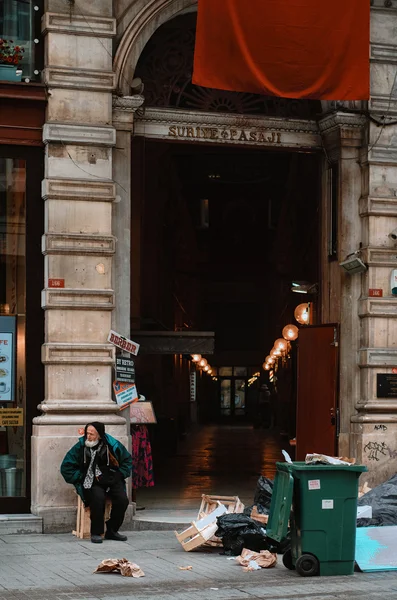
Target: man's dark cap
{"x": 100, "y": 427}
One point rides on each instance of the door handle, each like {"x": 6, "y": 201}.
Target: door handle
{"x": 333, "y": 416}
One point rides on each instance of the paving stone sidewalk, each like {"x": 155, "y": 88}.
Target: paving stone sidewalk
{"x": 60, "y": 567}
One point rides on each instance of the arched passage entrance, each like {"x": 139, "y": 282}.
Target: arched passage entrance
{"x": 180, "y": 130}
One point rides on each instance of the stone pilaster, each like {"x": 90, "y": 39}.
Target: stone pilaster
{"x": 375, "y": 424}
{"x": 78, "y": 247}
{"x": 343, "y": 136}
{"x": 124, "y": 211}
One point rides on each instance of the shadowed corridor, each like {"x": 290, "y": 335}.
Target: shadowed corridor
{"x": 213, "y": 459}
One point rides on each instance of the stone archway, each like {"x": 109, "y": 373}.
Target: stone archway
{"x": 143, "y": 18}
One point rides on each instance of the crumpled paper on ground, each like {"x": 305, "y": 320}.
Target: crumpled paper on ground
{"x": 251, "y": 561}
{"x": 120, "y": 565}
{"x": 312, "y": 459}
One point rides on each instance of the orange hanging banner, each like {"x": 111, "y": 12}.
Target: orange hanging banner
{"x": 287, "y": 48}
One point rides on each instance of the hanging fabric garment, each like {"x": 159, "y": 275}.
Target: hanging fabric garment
{"x": 287, "y": 48}
{"x": 141, "y": 451}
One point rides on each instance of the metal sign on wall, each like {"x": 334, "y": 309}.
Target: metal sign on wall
{"x": 125, "y": 370}
{"x": 123, "y": 343}
{"x": 386, "y": 385}
{"x": 192, "y": 386}
{"x": 11, "y": 417}
{"x": 7, "y": 358}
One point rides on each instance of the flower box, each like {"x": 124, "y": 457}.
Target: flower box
{"x": 9, "y": 73}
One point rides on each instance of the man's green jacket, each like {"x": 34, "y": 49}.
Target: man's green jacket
{"x": 72, "y": 467}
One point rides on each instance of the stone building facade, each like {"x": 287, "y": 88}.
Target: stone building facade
{"x": 91, "y": 51}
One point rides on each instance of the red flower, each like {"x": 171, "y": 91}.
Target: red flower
{"x": 15, "y": 60}
{"x": 9, "y": 59}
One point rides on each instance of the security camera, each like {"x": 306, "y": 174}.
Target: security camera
{"x": 393, "y": 234}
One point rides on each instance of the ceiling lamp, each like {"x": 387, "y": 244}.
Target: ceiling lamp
{"x": 209, "y": 371}
{"x": 203, "y": 362}
{"x": 302, "y": 313}
{"x": 196, "y": 357}
{"x": 206, "y": 368}
{"x": 281, "y": 344}
{"x": 275, "y": 352}
{"x": 290, "y": 332}
{"x": 270, "y": 360}
{"x": 266, "y": 366}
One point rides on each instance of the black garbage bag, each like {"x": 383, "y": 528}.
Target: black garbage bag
{"x": 366, "y": 522}
{"x": 279, "y": 547}
{"x": 383, "y": 500}
{"x": 239, "y": 531}
{"x": 263, "y": 494}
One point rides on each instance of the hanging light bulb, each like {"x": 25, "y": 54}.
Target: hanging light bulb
{"x": 281, "y": 344}
{"x": 206, "y": 368}
{"x": 290, "y": 332}
{"x": 269, "y": 359}
{"x": 275, "y": 352}
{"x": 266, "y": 366}
{"x": 302, "y": 313}
{"x": 209, "y": 371}
{"x": 203, "y": 362}
{"x": 196, "y": 357}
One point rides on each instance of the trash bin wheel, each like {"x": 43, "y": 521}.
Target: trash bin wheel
{"x": 307, "y": 565}
{"x": 287, "y": 560}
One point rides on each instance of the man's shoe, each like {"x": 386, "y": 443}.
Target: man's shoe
{"x": 96, "y": 539}
{"x": 114, "y": 535}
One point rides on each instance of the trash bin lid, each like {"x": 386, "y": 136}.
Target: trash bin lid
{"x": 280, "y": 507}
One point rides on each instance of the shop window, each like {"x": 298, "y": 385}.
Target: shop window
{"x": 20, "y": 23}
{"x": 12, "y": 327}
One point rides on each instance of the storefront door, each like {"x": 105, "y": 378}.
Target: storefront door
{"x": 233, "y": 396}
{"x": 316, "y": 427}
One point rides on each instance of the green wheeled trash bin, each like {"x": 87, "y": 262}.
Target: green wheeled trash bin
{"x": 319, "y": 502}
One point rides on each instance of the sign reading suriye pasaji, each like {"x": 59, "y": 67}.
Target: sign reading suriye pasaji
{"x": 223, "y": 133}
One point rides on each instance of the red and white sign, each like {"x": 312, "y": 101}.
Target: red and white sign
{"x": 376, "y": 293}
{"x": 123, "y": 343}
{"x": 56, "y": 283}
{"x": 314, "y": 484}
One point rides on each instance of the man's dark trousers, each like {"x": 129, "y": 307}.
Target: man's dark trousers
{"x": 96, "y": 498}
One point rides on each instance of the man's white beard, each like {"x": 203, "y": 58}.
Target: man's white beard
{"x": 91, "y": 444}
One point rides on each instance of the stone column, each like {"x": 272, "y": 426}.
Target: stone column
{"x": 375, "y": 425}
{"x": 78, "y": 248}
{"x": 343, "y": 135}
{"x": 124, "y": 108}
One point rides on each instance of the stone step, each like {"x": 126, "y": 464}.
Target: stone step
{"x": 162, "y": 520}
{"x": 12, "y": 524}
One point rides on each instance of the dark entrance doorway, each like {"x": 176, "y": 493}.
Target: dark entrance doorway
{"x": 223, "y": 232}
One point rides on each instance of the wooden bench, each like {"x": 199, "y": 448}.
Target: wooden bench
{"x": 83, "y": 523}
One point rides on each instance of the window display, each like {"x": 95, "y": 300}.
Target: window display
{"x": 12, "y": 327}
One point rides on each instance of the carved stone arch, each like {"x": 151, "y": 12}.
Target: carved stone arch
{"x": 146, "y": 17}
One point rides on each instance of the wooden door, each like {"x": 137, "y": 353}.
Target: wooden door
{"x": 317, "y": 384}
